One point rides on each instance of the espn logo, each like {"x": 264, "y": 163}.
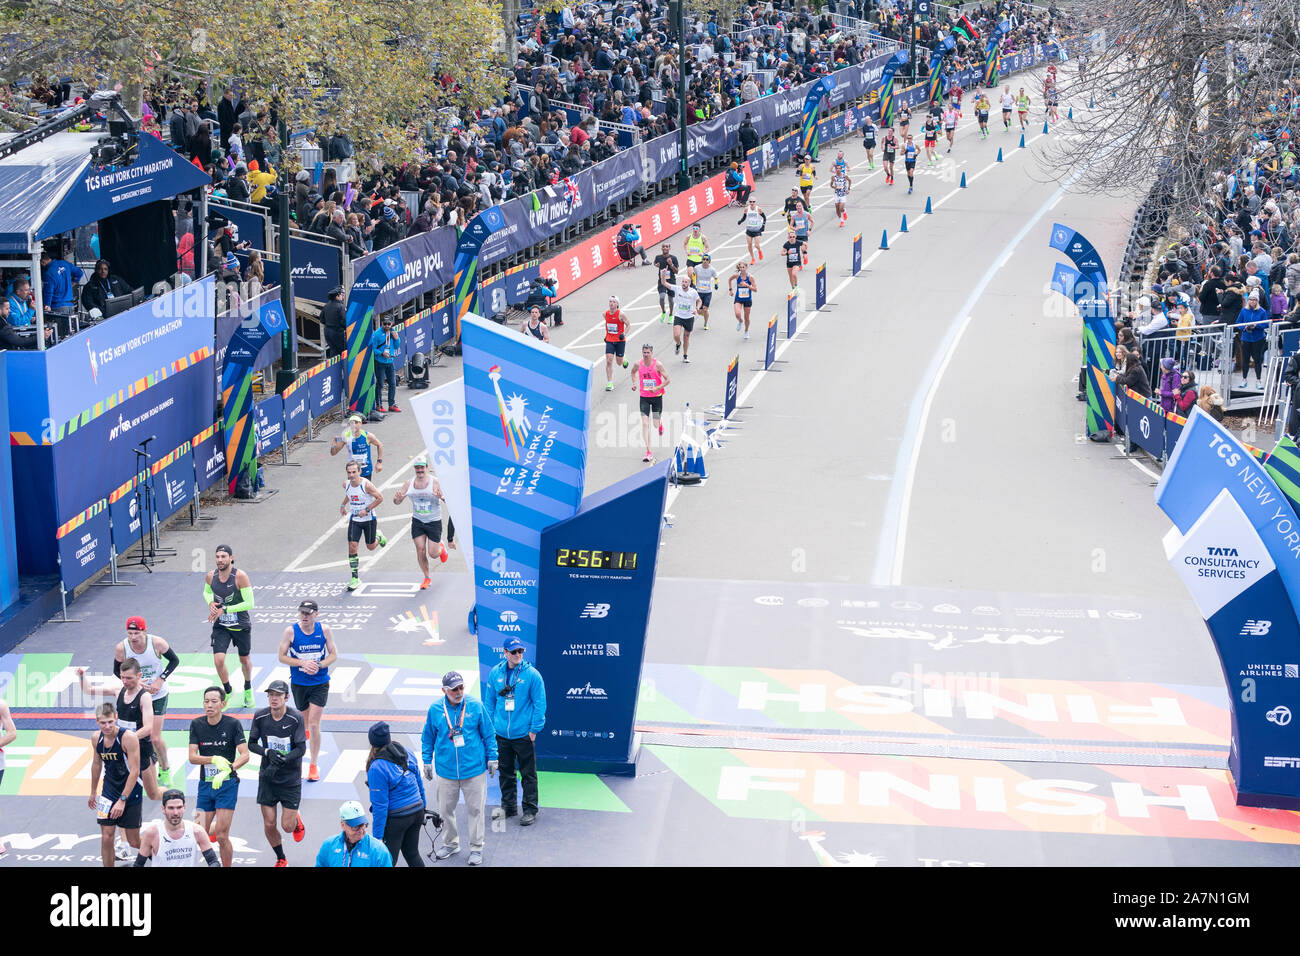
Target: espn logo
{"x": 1290, "y": 763}
{"x": 1253, "y": 628}
{"x": 595, "y": 611}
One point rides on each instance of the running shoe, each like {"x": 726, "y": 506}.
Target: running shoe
{"x": 164, "y": 778}
{"x": 313, "y": 773}
{"x": 706, "y": 326}
{"x": 299, "y": 831}
{"x": 609, "y": 386}
{"x": 686, "y": 358}
{"x": 625, "y": 363}
{"x": 424, "y": 585}
{"x": 805, "y": 260}
{"x": 949, "y": 150}
{"x": 248, "y": 697}
{"x": 123, "y": 851}
{"x": 442, "y": 552}
{"x": 751, "y": 260}
{"x": 393, "y": 408}
{"x": 663, "y": 316}
{"x": 383, "y": 542}
{"x": 909, "y": 190}
{"x": 677, "y": 348}
{"x": 739, "y": 325}
{"x": 280, "y": 863}
{"x": 746, "y": 336}
{"x": 661, "y": 428}
{"x": 354, "y": 584}
{"x": 760, "y": 252}
{"x": 648, "y": 457}
{"x": 841, "y": 223}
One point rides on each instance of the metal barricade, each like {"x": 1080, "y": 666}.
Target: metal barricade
{"x": 1207, "y": 350}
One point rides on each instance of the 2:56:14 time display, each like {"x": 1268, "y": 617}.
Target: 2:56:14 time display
{"x": 603, "y": 560}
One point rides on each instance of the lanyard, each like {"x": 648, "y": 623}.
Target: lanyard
{"x": 511, "y": 685}
{"x": 459, "y": 727}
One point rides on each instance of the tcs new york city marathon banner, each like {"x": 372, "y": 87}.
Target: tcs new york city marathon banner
{"x": 1236, "y": 546}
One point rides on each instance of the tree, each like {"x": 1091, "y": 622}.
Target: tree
{"x": 375, "y": 68}
{"x": 1179, "y": 89}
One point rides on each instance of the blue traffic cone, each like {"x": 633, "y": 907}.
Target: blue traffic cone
{"x": 1044, "y": 127}
{"x": 904, "y": 227}
{"x": 884, "y": 239}
{"x": 1069, "y": 114}
{"x": 962, "y": 184}
{"x": 999, "y": 154}
{"x": 1092, "y": 103}
{"x": 927, "y": 206}
{"x": 1022, "y": 140}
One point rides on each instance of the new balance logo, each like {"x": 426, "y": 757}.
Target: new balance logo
{"x": 1253, "y": 628}
{"x": 595, "y": 610}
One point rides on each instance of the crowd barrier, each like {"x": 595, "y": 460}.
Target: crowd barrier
{"x": 1146, "y": 425}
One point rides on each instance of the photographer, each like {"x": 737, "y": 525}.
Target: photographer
{"x": 540, "y": 295}
{"x": 387, "y": 345}
{"x": 629, "y": 246}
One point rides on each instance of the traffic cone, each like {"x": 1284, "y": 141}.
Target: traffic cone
{"x": 1092, "y": 103}
{"x": 1044, "y": 127}
{"x": 962, "y": 184}
{"x": 904, "y": 227}
{"x": 884, "y": 239}
{"x": 1022, "y": 140}
{"x": 927, "y": 205}
{"x": 1069, "y": 114}
{"x": 999, "y": 154}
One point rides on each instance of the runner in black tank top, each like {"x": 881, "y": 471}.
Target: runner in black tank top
{"x": 115, "y": 755}
{"x": 135, "y": 715}
{"x": 229, "y": 594}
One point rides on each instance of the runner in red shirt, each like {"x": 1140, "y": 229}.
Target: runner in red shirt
{"x": 615, "y": 340}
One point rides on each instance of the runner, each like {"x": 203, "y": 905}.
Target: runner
{"x": 755, "y": 221}
{"x": 116, "y": 755}
{"x": 666, "y": 268}
{"x": 1022, "y": 107}
{"x": 278, "y": 736}
{"x": 887, "y": 150}
{"x": 954, "y": 95}
{"x": 950, "y": 125}
{"x": 358, "y": 443}
{"x": 218, "y": 748}
{"x": 8, "y": 734}
{"x": 695, "y": 246}
{"x": 1053, "y": 103}
{"x": 793, "y": 248}
{"x": 792, "y": 203}
{"x": 134, "y": 713}
{"x": 904, "y": 118}
{"x": 1007, "y": 102}
{"x": 651, "y": 378}
{"x": 615, "y": 342}
{"x": 685, "y": 307}
{"x": 426, "y": 516}
{"x": 174, "y": 841}
{"x": 307, "y": 649}
{"x": 706, "y": 283}
{"x": 931, "y": 130}
{"x": 802, "y": 222}
{"x": 150, "y": 651}
{"x": 745, "y": 286}
{"x": 534, "y": 326}
{"x": 229, "y": 594}
{"x": 869, "y": 140}
{"x": 360, "y": 499}
{"x": 841, "y": 183}
{"x": 909, "y": 161}
{"x": 807, "y": 175}
{"x": 982, "y": 113}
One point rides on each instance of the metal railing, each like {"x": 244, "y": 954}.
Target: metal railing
{"x": 1211, "y": 352}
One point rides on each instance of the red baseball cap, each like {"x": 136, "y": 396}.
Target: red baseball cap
{"x": 135, "y": 624}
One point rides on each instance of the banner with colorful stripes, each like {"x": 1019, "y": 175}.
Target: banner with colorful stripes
{"x": 476, "y": 233}
{"x": 237, "y": 386}
{"x": 366, "y": 287}
{"x": 77, "y": 521}
{"x": 886, "y": 96}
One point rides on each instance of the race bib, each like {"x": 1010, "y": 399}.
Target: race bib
{"x": 127, "y": 724}
{"x": 278, "y": 743}
{"x": 210, "y": 771}
{"x": 227, "y": 619}
{"x": 102, "y": 806}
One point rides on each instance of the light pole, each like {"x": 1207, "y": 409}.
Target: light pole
{"x": 288, "y": 358}
{"x": 676, "y": 9}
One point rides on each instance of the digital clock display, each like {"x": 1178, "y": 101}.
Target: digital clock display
{"x": 598, "y": 560}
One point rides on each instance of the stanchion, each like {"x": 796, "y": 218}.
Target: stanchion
{"x": 819, "y": 285}
{"x": 1045, "y": 127}
{"x": 1069, "y": 114}
{"x": 791, "y": 314}
{"x": 63, "y": 608}
{"x": 728, "y": 406}
{"x": 769, "y": 350}
{"x": 857, "y": 253}
{"x": 1092, "y": 103}
{"x": 113, "y": 580}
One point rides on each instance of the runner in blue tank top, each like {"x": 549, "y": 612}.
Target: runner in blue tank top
{"x": 307, "y": 649}
{"x": 358, "y": 442}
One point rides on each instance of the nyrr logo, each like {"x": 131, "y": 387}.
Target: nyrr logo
{"x": 1251, "y": 628}
{"x": 1279, "y": 715}
{"x": 595, "y": 611}
{"x": 94, "y": 363}
{"x": 586, "y": 692}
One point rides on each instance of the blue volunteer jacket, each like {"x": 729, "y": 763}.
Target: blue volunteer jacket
{"x": 393, "y": 789}
{"x": 384, "y": 347}
{"x": 449, "y": 761}
{"x": 367, "y": 851}
{"x": 529, "y": 715}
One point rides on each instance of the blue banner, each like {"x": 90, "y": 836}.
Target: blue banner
{"x": 316, "y": 267}
{"x": 733, "y": 387}
{"x": 1146, "y": 426}
{"x": 527, "y": 407}
{"x": 209, "y": 457}
{"x": 228, "y": 324}
{"x": 417, "y": 336}
{"x": 270, "y": 424}
{"x": 326, "y": 389}
{"x": 444, "y": 323}
{"x": 237, "y": 386}
{"x": 370, "y": 280}
{"x": 769, "y": 351}
{"x": 174, "y": 485}
{"x": 84, "y": 544}
{"x": 791, "y": 314}
{"x": 487, "y": 222}
{"x": 250, "y": 226}
{"x": 857, "y": 253}
{"x": 821, "y": 286}
{"x": 124, "y": 512}
{"x": 295, "y": 410}
{"x": 427, "y": 259}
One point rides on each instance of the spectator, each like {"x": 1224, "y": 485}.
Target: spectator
{"x": 1253, "y": 321}
{"x": 628, "y": 244}
{"x": 227, "y": 115}
{"x": 237, "y": 185}
{"x": 540, "y": 295}
{"x": 1187, "y": 394}
{"x": 397, "y": 797}
{"x": 1169, "y": 379}
{"x": 459, "y": 742}
{"x": 335, "y": 230}
{"x": 260, "y": 182}
{"x": 736, "y": 185}
{"x": 387, "y": 228}
{"x": 1135, "y": 376}
{"x": 353, "y": 846}
{"x": 1211, "y": 402}
{"x": 1292, "y": 279}
{"x": 254, "y": 276}
{"x": 11, "y": 339}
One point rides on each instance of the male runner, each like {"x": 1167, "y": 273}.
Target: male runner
{"x": 278, "y": 736}
{"x": 794, "y": 248}
{"x": 360, "y": 499}
{"x": 1007, "y": 102}
{"x": 807, "y": 175}
{"x": 909, "y": 161}
{"x": 841, "y": 183}
{"x": 426, "y": 516}
{"x": 950, "y": 125}
{"x": 685, "y": 307}
{"x": 116, "y": 755}
{"x": 802, "y": 222}
{"x": 307, "y": 649}
{"x": 157, "y": 661}
{"x": 706, "y": 283}
{"x": 651, "y": 378}
{"x": 174, "y": 841}
{"x": 358, "y": 443}
{"x": 695, "y": 247}
{"x": 743, "y": 286}
{"x": 755, "y": 221}
{"x": 954, "y": 95}
{"x": 1022, "y": 107}
{"x": 229, "y": 594}
{"x": 982, "y": 113}
{"x": 666, "y": 268}
{"x": 931, "y": 130}
{"x": 869, "y": 140}
{"x": 1053, "y": 103}
{"x": 615, "y": 341}
{"x": 887, "y": 150}
{"x": 134, "y": 713}
{"x": 8, "y": 734}
{"x": 218, "y": 749}
{"x": 534, "y": 326}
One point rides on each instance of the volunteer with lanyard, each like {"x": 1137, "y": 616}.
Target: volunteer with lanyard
{"x": 386, "y": 343}
{"x": 460, "y": 745}
{"x": 358, "y": 443}
{"x": 352, "y": 845}
{"x": 515, "y": 696}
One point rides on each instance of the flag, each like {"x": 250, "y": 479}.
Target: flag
{"x": 537, "y": 203}
{"x": 571, "y": 193}
{"x": 964, "y": 29}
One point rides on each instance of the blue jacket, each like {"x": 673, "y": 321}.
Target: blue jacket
{"x": 449, "y": 761}
{"x": 384, "y": 347}
{"x": 366, "y": 852}
{"x": 56, "y": 283}
{"x": 393, "y": 789}
{"x": 529, "y": 715}
{"x": 1255, "y": 324}
{"x": 20, "y": 313}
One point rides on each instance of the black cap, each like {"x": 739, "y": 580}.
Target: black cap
{"x": 307, "y": 604}
{"x": 337, "y": 290}
{"x": 379, "y": 735}
{"x": 277, "y": 687}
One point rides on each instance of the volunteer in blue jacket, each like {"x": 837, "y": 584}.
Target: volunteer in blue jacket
{"x": 459, "y": 741}
{"x": 59, "y": 279}
{"x": 386, "y": 343}
{"x": 352, "y": 845}
{"x": 396, "y": 795}
{"x": 515, "y": 696}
